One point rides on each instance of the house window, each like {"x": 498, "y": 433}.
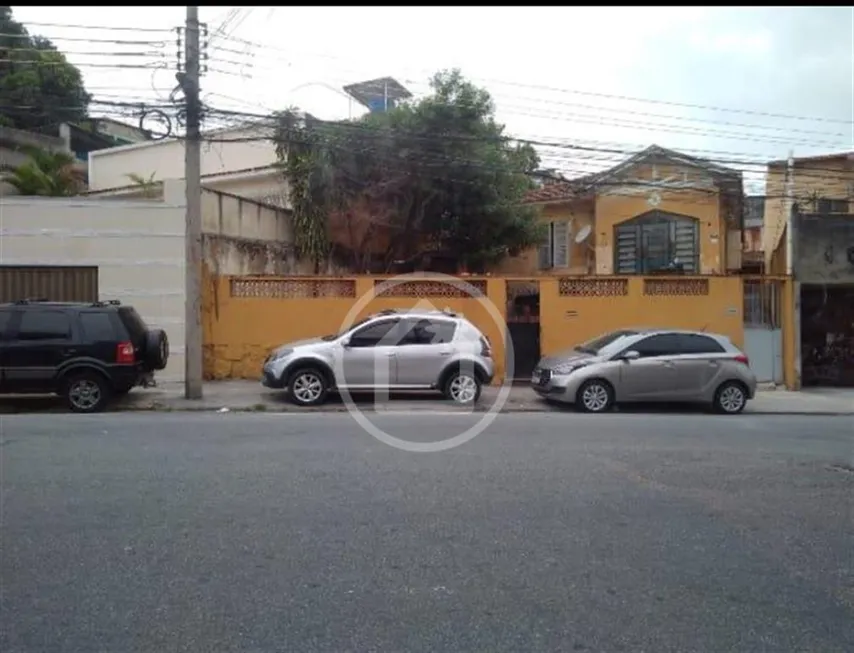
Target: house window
{"x": 656, "y": 241}
{"x": 827, "y": 205}
{"x": 554, "y": 250}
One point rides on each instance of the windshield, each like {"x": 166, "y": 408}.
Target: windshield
{"x": 335, "y": 336}
{"x": 596, "y": 345}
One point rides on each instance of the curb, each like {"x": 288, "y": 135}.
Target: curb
{"x": 285, "y": 409}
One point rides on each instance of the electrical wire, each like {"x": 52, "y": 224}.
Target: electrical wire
{"x": 554, "y": 89}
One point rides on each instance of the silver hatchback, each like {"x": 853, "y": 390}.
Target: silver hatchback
{"x": 649, "y": 365}
{"x": 391, "y": 350}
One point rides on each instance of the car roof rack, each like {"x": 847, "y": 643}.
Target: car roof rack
{"x": 107, "y": 302}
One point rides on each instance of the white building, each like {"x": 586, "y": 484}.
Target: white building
{"x": 238, "y": 161}
{"x": 137, "y": 247}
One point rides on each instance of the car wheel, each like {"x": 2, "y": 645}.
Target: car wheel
{"x": 463, "y": 388}
{"x": 308, "y": 387}
{"x": 86, "y": 392}
{"x": 595, "y": 396}
{"x": 730, "y": 398}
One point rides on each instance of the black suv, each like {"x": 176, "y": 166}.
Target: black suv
{"x": 85, "y": 352}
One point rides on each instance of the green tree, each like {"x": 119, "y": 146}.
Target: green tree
{"x": 39, "y": 88}
{"x": 439, "y": 174}
{"x": 47, "y": 174}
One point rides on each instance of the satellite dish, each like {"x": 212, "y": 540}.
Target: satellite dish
{"x": 583, "y": 234}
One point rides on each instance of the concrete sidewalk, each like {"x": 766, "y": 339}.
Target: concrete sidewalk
{"x": 251, "y": 396}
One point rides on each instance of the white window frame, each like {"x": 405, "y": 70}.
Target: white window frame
{"x": 550, "y": 254}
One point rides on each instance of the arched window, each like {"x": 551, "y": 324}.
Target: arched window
{"x": 657, "y": 241}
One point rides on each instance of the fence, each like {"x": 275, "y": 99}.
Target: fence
{"x": 246, "y": 317}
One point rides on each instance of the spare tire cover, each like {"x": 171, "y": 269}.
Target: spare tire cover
{"x": 156, "y": 349}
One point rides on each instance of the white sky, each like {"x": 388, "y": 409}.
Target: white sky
{"x": 557, "y": 74}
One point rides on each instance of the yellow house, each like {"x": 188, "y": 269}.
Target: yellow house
{"x": 658, "y": 210}
{"x": 820, "y": 185}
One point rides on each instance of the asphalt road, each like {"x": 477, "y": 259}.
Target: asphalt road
{"x": 548, "y": 532}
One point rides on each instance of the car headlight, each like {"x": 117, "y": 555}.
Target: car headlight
{"x": 280, "y": 353}
{"x": 567, "y": 368}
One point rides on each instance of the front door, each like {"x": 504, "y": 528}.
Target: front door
{"x": 38, "y": 349}
{"x": 368, "y": 359}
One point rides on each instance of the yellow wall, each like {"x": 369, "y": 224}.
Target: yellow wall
{"x": 240, "y": 331}
{"x": 246, "y": 317}
{"x": 575, "y": 310}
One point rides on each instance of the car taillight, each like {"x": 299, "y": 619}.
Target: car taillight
{"x": 741, "y": 358}
{"x": 124, "y": 353}
{"x": 485, "y": 349}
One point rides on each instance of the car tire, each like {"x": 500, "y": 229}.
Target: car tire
{"x": 595, "y": 396}
{"x": 462, "y": 387}
{"x": 308, "y": 386}
{"x": 156, "y": 349}
{"x": 730, "y": 398}
{"x": 86, "y": 392}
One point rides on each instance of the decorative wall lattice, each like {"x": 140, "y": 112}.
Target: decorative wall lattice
{"x": 292, "y": 288}
{"x": 593, "y": 287}
{"x": 429, "y": 288}
{"x": 676, "y": 287}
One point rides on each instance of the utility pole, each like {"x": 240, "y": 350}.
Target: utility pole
{"x": 193, "y": 228}
{"x": 790, "y": 211}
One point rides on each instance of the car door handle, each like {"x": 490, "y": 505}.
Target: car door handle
{"x": 444, "y": 353}
{"x": 391, "y": 354}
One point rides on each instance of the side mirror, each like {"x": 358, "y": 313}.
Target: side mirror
{"x": 630, "y": 355}
{"x": 346, "y": 343}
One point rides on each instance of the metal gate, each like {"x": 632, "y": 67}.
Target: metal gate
{"x": 523, "y": 327}
{"x": 53, "y": 283}
{"x": 763, "y": 333}
{"x": 827, "y": 335}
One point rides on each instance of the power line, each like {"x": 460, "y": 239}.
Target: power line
{"x": 109, "y": 28}
{"x": 28, "y": 37}
{"x": 249, "y": 69}
{"x": 569, "y": 91}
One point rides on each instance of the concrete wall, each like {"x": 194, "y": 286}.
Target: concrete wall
{"x": 822, "y": 247}
{"x": 829, "y": 177}
{"x": 138, "y": 247}
{"x": 246, "y": 317}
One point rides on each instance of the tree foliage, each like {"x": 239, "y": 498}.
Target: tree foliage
{"x": 436, "y": 175}
{"x": 47, "y": 174}
{"x": 39, "y": 88}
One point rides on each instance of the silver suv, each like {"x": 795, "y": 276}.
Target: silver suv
{"x": 649, "y": 365}
{"x": 394, "y": 350}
